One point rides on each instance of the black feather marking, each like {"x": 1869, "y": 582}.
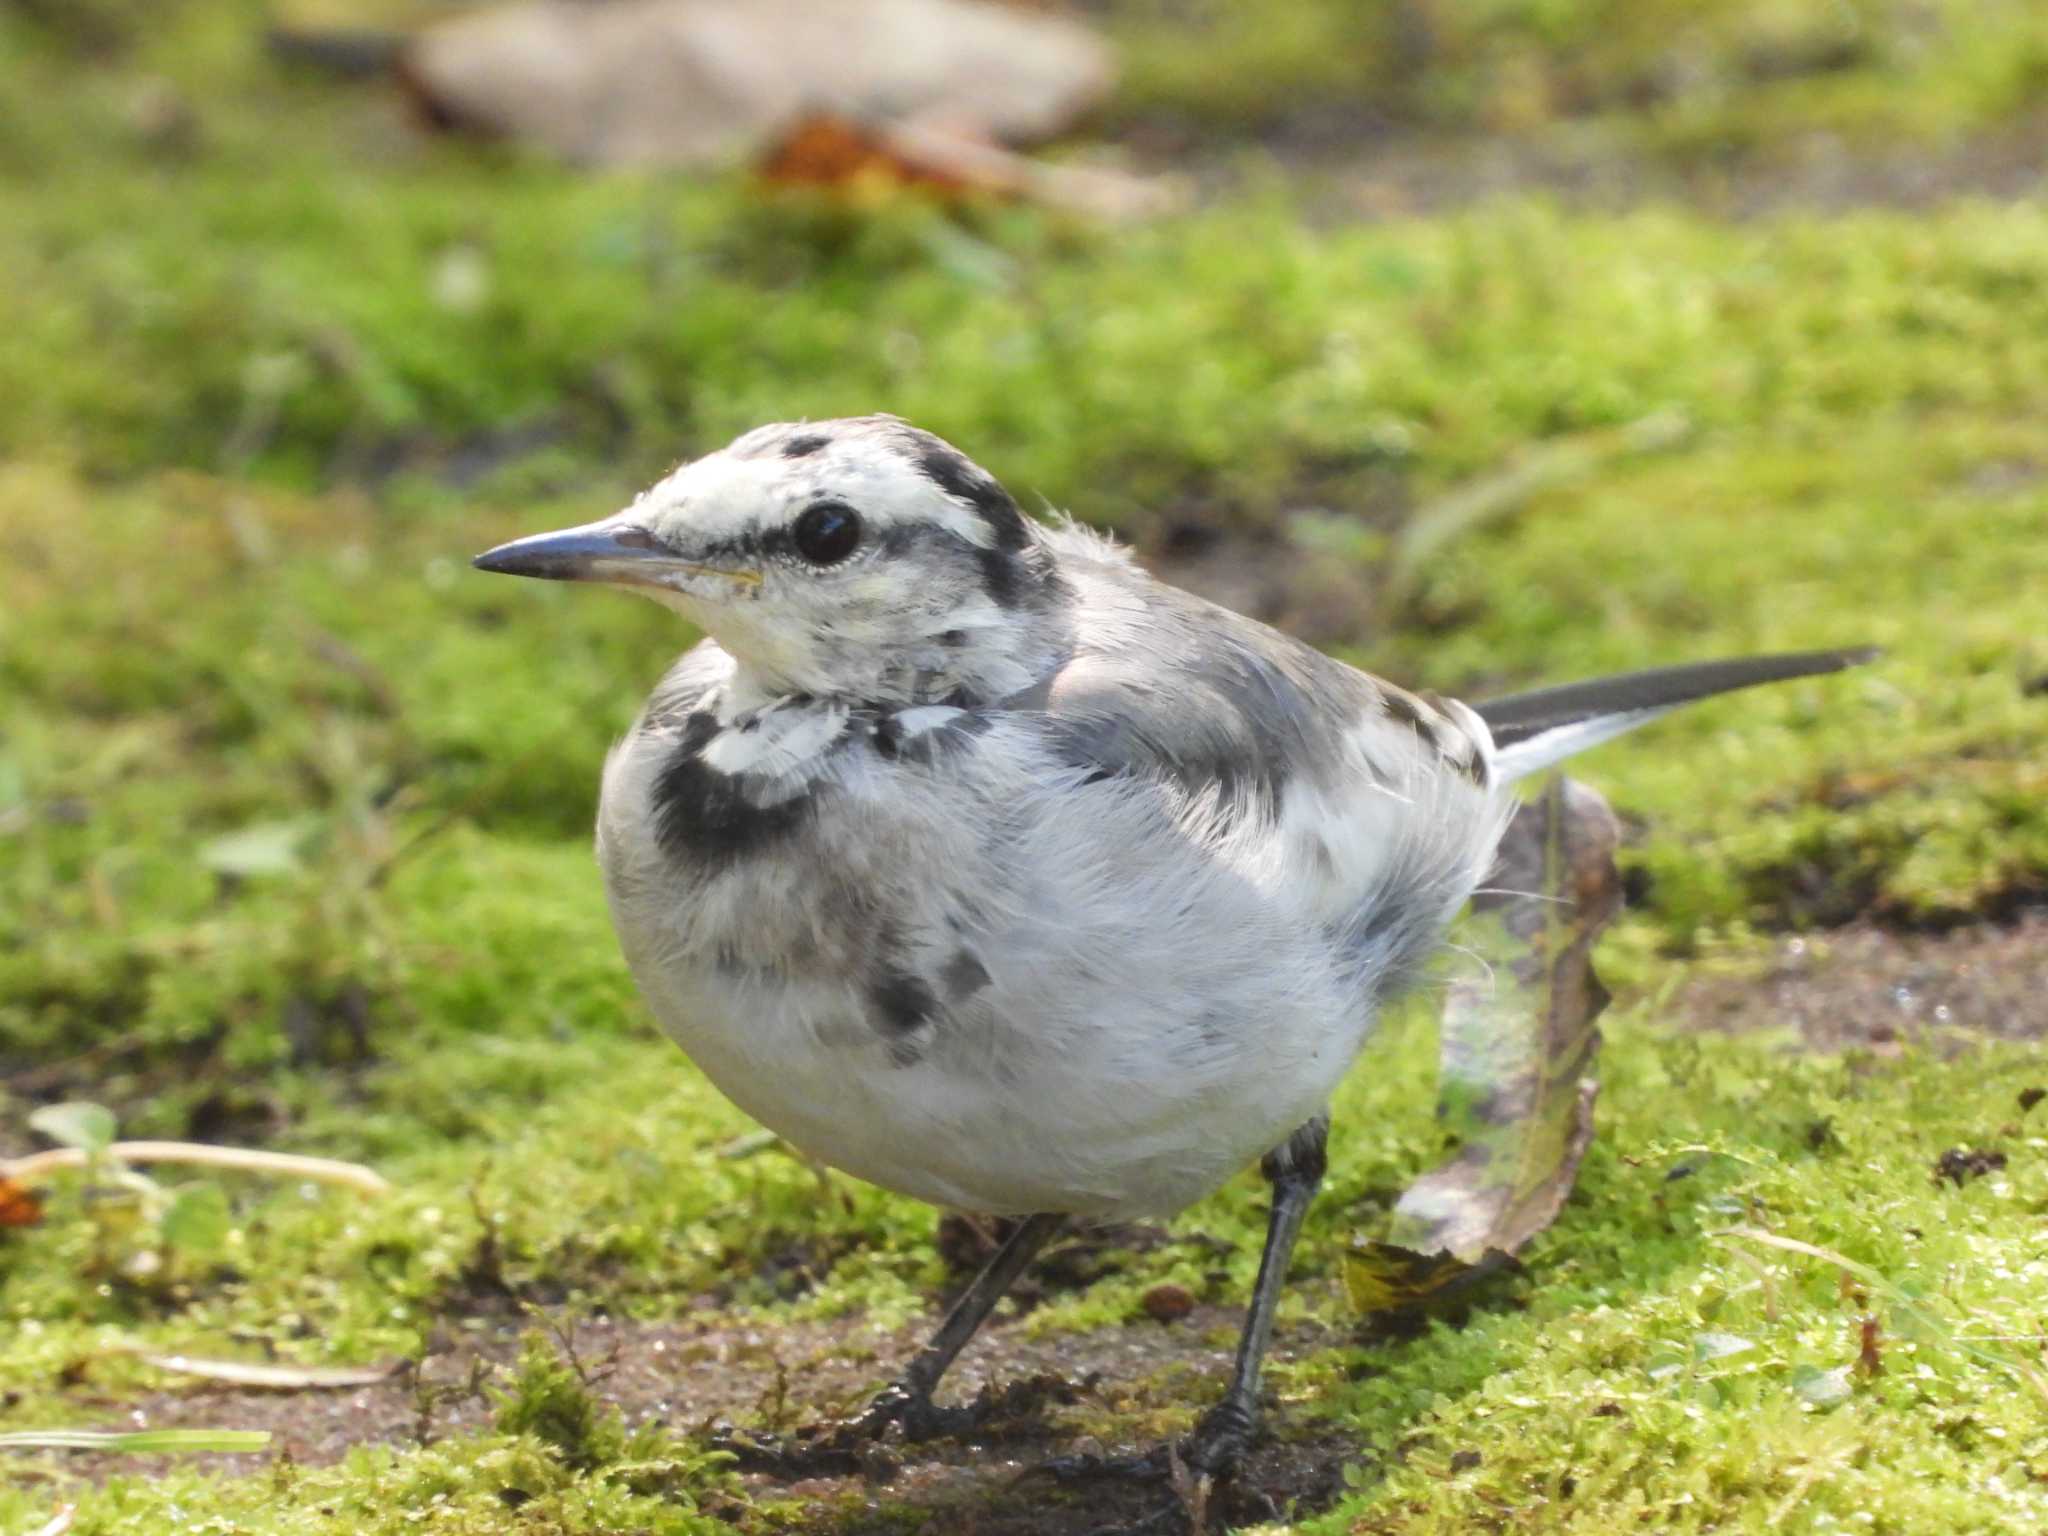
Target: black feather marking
{"x": 804, "y": 444}
{"x": 1397, "y": 705}
{"x": 928, "y": 745}
{"x": 903, "y": 1004}
{"x": 957, "y": 476}
{"x": 1521, "y": 716}
{"x": 702, "y": 814}
{"x": 1000, "y": 577}
{"x": 963, "y": 975}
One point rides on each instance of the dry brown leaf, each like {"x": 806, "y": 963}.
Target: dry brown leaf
{"x": 826, "y": 151}
{"x": 1517, "y": 1054}
{"x": 20, "y": 1206}
{"x": 869, "y": 160}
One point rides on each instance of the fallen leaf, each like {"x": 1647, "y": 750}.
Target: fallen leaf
{"x": 279, "y": 1378}
{"x": 1516, "y": 1058}
{"x": 838, "y": 152}
{"x": 868, "y": 161}
{"x": 20, "y": 1206}
{"x": 1385, "y": 1277}
{"x": 709, "y": 82}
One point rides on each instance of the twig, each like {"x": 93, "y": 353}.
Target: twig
{"x": 39, "y": 1166}
{"x": 279, "y": 1378}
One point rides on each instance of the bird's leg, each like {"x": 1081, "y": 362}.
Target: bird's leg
{"x": 908, "y": 1402}
{"x": 1295, "y": 1171}
{"x": 850, "y": 1446}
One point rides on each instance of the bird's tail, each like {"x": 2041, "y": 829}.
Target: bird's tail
{"x": 1533, "y": 730}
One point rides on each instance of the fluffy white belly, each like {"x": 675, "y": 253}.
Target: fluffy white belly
{"x": 1095, "y": 1129}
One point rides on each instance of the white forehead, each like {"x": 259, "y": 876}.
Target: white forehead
{"x": 728, "y": 495}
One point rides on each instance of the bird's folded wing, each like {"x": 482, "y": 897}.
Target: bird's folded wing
{"x": 1194, "y": 696}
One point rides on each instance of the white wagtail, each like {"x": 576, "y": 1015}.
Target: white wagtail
{"x": 980, "y": 865}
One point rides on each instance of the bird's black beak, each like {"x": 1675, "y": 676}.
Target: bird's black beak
{"x": 610, "y": 551}
{"x": 593, "y": 552}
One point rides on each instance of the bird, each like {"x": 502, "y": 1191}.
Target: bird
{"x": 977, "y": 863}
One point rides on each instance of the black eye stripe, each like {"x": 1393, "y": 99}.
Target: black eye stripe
{"x": 826, "y": 532}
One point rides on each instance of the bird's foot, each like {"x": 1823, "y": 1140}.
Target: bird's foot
{"x": 847, "y": 1446}
{"x": 1016, "y": 1402}
{"x": 913, "y": 1412}
{"x": 1196, "y": 1470}
{"x": 1221, "y": 1441}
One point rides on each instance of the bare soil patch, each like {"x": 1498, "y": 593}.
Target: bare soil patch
{"x": 1882, "y": 989}
{"x": 1363, "y": 167}
{"x": 774, "y": 1374}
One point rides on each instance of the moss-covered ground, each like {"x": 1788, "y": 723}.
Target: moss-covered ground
{"x": 294, "y": 808}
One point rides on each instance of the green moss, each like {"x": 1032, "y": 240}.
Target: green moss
{"x": 549, "y": 1398}
{"x": 480, "y": 1486}
{"x": 1715, "y": 77}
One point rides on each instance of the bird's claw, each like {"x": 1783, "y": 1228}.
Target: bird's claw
{"x": 1194, "y": 1469}
{"x": 855, "y": 1445}
{"x": 1220, "y": 1442}
{"x": 915, "y": 1414}
{"x": 826, "y": 1450}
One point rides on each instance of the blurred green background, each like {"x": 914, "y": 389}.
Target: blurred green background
{"x": 1495, "y": 343}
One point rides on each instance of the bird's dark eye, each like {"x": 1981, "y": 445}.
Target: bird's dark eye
{"x": 827, "y": 532}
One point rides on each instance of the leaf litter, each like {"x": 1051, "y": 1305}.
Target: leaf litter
{"x": 1516, "y": 1059}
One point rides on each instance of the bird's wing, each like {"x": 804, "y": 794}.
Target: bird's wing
{"x": 1367, "y": 813}
{"x": 1167, "y": 686}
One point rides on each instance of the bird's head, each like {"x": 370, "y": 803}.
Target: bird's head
{"x": 859, "y": 558}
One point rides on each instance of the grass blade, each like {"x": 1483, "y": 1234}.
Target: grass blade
{"x": 136, "y": 1442}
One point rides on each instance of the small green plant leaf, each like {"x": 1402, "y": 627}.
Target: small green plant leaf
{"x": 266, "y": 848}
{"x": 197, "y": 1221}
{"x": 1664, "y": 1365}
{"x": 1821, "y": 1388}
{"x": 1718, "y": 1346}
{"x": 88, "y": 1127}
